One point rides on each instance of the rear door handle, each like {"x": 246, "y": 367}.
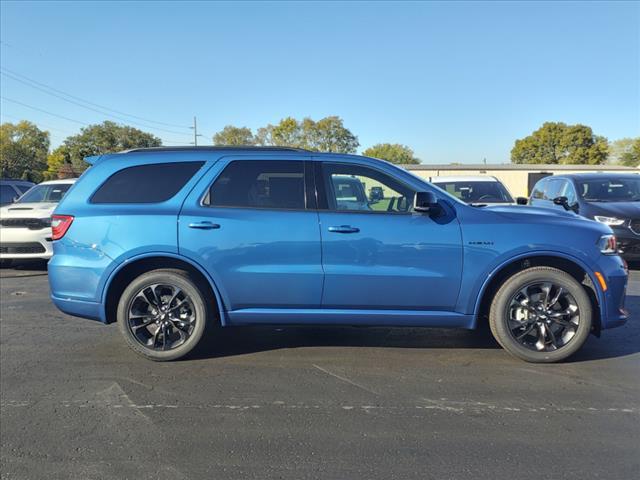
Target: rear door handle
{"x": 204, "y": 225}
{"x": 344, "y": 229}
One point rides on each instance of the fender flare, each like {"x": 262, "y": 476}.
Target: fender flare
{"x": 197, "y": 266}
{"x": 536, "y": 253}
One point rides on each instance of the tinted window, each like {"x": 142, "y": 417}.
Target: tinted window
{"x": 259, "y": 184}
{"x": 554, "y": 186}
{"x": 568, "y": 191}
{"x": 51, "y": 192}
{"x": 23, "y": 187}
{"x": 610, "y": 189}
{"x": 146, "y": 183}
{"x": 357, "y": 188}
{"x": 538, "y": 189}
{"x": 7, "y": 194}
{"x": 477, "y": 192}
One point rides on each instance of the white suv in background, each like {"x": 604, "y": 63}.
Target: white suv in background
{"x": 25, "y": 226}
{"x": 475, "y": 190}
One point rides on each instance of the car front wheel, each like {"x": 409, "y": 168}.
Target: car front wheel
{"x": 163, "y": 314}
{"x": 541, "y": 315}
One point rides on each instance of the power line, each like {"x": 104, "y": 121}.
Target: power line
{"x": 43, "y": 111}
{"x": 24, "y": 77}
{"x": 164, "y": 141}
{"x": 39, "y": 124}
{"x": 150, "y": 127}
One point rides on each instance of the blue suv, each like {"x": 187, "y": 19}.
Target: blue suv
{"x": 173, "y": 242}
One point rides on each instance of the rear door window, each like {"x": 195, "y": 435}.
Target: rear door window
{"x": 151, "y": 183}
{"x": 278, "y": 184}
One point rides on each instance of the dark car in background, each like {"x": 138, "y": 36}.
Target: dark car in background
{"x": 11, "y": 189}
{"x": 612, "y": 199}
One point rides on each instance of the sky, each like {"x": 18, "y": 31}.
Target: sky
{"x": 455, "y": 81}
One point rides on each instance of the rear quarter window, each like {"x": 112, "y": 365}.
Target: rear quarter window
{"x": 153, "y": 183}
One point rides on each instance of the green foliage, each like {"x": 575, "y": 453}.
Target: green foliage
{"x": 23, "y": 150}
{"x": 326, "y": 135}
{"x": 231, "y": 135}
{"x": 625, "y": 151}
{"x": 58, "y": 164}
{"x": 559, "y": 143}
{"x": 107, "y": 137}
{"x": 392, "y": 152}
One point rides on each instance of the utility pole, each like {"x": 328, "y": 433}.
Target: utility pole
{"x": 195, "y": 132}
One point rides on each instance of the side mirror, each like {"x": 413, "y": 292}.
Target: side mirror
{"x": 426, "y": 202}
{"x": 522, "y": 201}
{"x": 564, "y": 202}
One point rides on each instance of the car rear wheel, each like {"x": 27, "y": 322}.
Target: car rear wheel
{"x": 163, "y": 314}
{"x": 541, "y": 315}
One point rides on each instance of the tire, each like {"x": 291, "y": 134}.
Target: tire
{"x": 138, "y": 302}
{"x": 519, "y": 307}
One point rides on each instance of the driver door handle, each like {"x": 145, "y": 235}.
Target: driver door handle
{"x": 344, "y": 229}
{"x": 204, "y": 225}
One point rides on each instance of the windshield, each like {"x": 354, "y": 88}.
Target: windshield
{"x": 610, "y": 190}
{"x": 477, "y": 192}
{"x": 51, "y": 192}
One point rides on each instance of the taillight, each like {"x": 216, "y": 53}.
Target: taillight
{"x": 59, "y": 225}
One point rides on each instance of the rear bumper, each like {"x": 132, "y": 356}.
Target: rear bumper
{"x": 80, "y": 308}
{"x": 22, "y": 243}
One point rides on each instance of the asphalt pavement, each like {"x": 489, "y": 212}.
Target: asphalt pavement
{"x": 316, "y": 403}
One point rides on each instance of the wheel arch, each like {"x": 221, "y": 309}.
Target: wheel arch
{"x": 583, "y": 274}
{"x": 132, "y": 268}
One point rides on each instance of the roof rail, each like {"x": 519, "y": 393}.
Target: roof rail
{"x": 216, "y": 148}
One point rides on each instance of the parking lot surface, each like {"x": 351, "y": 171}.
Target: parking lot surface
{"x": 293, "y": 403}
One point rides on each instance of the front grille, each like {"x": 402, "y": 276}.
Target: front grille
{"x": 635, "y": 226}
{"x": 30, "y": 223}
{"x": 629, "y": 246}
{"x": 31, "y": 247}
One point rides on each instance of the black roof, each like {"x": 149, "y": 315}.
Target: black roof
{"x": 596, "y": 175}
{"x": 252, "y": 148}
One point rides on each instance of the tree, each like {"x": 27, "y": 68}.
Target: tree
{"x": 231, "y": 135}
{"x": 625, "y": 151}
{"x": 326, "y": 135}
{"x": 559, "y": 143}
{"x": 329, "y": 135}
{"x": 23, "y": 150}
{"x": 59, "y": 165}
{"x": 107, "y": 137}
{"x": 392, "y": 152}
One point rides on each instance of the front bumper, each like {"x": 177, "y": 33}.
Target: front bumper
{"x": 628, "y": 243}
{"x": 23, "y": 243}
{"x": 612, "y": 303}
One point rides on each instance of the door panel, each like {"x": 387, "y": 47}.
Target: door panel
{"x": 382, "y": 256}
{"x": 391, "y": 262}
{"x": 259, "y": 257}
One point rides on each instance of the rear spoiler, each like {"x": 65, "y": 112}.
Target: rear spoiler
{"x": 93, "y": 159}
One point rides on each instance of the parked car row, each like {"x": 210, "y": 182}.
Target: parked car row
{"x": 612, "y": 199}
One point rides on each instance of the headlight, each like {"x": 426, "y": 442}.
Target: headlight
{"x": 611, "y": 221}
{"x": 608, "y": 245}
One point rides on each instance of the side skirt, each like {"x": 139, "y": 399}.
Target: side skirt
{"x": 321, "y": 316}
